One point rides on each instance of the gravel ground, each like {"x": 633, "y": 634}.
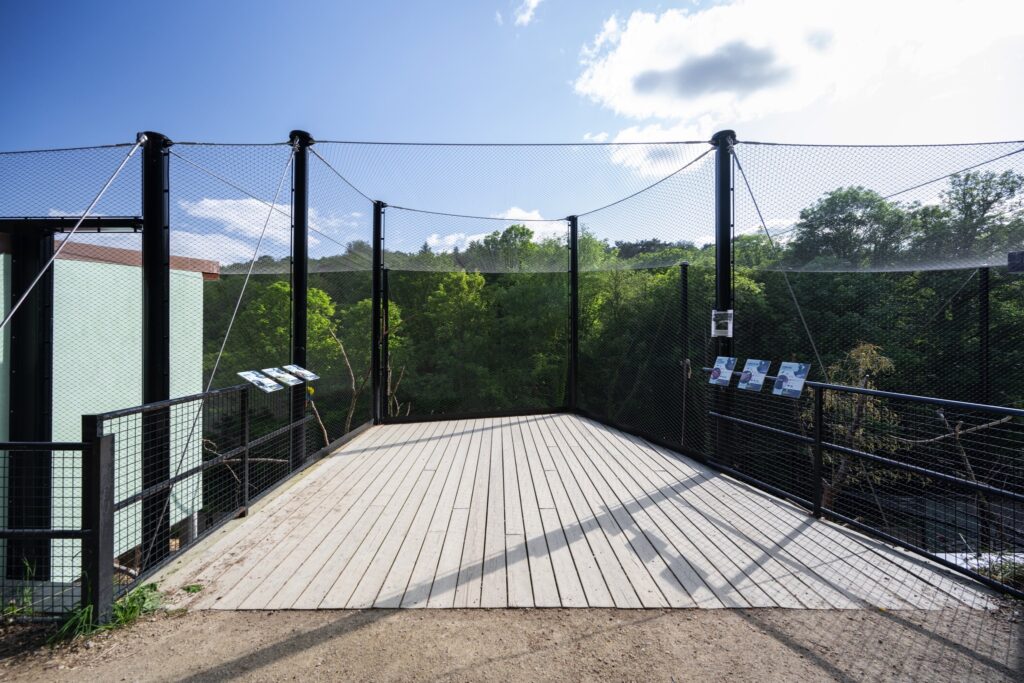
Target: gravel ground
{"x": 595, "y": 644}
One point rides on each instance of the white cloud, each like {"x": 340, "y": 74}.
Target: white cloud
{"x": 542, "y": 229}
{"x": 595, "y": 137}
{"x": 853, "y": 72}
{"x": 498, "y": 19}
{"x": 524, "y": 13}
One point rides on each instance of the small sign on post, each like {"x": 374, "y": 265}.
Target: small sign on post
{"x": 282, "y": 376}
{"x": 301, "y": 373}
{"x": 721, "y": 323}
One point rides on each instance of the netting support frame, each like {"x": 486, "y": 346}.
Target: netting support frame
{"x": 301, "y": 141}
{"x": 723, "y": 141}
{"x": 156, "y": 343}
{"x": 376, "y": 326}
{"x": 574, "y": 314}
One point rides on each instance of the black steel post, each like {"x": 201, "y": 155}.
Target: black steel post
{"x": 301, "y": 140}
{"x": 376, "y": 325}
{"x": 723, "y": 141}
{"x": 984, "y": 291}
{"x": 385, "y": 343}
{"x": 243, "y": 410}
{"x": 98, "y": 519}
{"x": 156, "y": 344}
{"x": 574, "y": 314}
{"x": 817, "y": 468}
{"x": 29, "y": 483}
{"x": 684, "y": 340}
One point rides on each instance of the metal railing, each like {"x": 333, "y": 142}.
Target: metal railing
{"x": 942, "y": 478}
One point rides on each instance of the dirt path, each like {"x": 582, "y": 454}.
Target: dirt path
{"x": 467, "y": 645}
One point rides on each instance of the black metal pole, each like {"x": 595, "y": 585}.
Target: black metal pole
{"x": 156, "y": 343}
{"x": 29, "y": 482}
{"x": 98, "y": 519}
{"x": 301, "y": 141}
{"x": 375, "y": 331}
{"x": 574, "y": 314}
{"x": 243, "y": 415}
{"x": 817, "y": 466}
{"x": 723, "y": 141}
{"x": 984, "y": 291}
{"x": 684, "y": 339}
{"x": 385, "y": 343}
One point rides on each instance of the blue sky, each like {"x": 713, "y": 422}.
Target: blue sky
{"x": 805, "y": 71}
{"x": 79, "y": 73}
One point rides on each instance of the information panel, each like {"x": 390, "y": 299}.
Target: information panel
{"x": 790, "y": 380}
{"x": 754, "y": 372}
{"x": 300, "y": 372}
{"x": 722, "y": 372}
{"x": 261, "y": 381}
{"x": 282, "y": 376}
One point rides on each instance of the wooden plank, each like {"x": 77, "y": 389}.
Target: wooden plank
{"x": 247, "y": 537}
{"x": 669, "y": 571}
{"x": 344, "y": 586}
{"x": 470, "y": 585}
{"x": 417, "y": 593}
{"x": 725, "y": 546}
{"x": 542, "y": 574}
{"x": 350, "y": 517}
{"x": 238, "y": 566}
{"x": 369, "y": 586}
{"x": 517, "y": 563}
{"x": 570, "y": 589}
{"x": 634, "y": 576}
{"x": 707, "y": 579}
{"x": 589, "y": 573}
{"x": 493, "y": 585}
{"x": 446, "y": 576}
{"x": 856, "y": 583}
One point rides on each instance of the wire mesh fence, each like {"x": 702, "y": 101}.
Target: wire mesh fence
{"x": 185, "y": 466}
{"x": 881, "y": 267}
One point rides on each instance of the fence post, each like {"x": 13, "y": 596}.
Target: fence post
{"x": 817, "y": 469}
{"x": 301, "y": 140}
{"x": 243, "y": 408}
{"x": 723, "y": 141}
{"x": 983, "y": 335}
{"x": 684, "y": 339}
{"x": 156, "y": 344}
{"x": 385, "y": 342}
{"x": 574, "y": 314}
{"x": 375, "y": 332}
{"x": 98, "y": 518}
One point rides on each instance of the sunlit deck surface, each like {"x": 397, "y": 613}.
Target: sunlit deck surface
{"x": 543, "y": 511}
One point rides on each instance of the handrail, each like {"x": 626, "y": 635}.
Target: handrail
{"x": 949, "y": 403}
{"x": 160, "y": 405}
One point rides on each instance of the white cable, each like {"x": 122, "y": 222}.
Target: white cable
{"x": 95, "y": 201}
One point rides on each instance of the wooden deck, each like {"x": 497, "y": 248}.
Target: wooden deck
{"x": 543, "y": 511}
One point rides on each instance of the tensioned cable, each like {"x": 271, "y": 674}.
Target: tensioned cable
{"x": 651, "y": 186}
{"x": 785, "y": 275}
{"x": 251, "y": 195}
{"x": 114, "y": 145}
{"x": 510, "y": 144}
{"x": 337, "y": 173}
{"x": 223, "y": 345}
{"x": 892, "y": 146}
{"x": 56, "y": 253}
{"x": 479, "y": 218}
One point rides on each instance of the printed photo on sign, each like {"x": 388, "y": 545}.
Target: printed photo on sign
{"x": 754, "y": 371}
{"x": 282, "y": 376}
{"x": 790, "y": 380}
{"x": 722, "y": 372}
{"x": 263, "y": 383}
{"x": 300, "y": 372}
